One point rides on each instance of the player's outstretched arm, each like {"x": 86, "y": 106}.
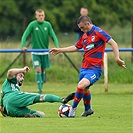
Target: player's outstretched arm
{"x": 55, "y": 51}
{"x": 116, "y": 53}
{"x": 13, "y": 72}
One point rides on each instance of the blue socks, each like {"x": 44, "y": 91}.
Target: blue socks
{"x": 87, "y": 99}
{"x": 78, "y": 96}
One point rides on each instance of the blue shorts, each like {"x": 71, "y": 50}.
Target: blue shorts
{"x": 90, "y": 74}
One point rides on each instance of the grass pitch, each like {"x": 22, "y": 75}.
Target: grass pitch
{"x": 113, "y": 112}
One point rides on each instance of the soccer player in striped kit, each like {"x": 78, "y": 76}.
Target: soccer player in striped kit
{"x": 93, "y": 43}
{"x": 40, "y": 31}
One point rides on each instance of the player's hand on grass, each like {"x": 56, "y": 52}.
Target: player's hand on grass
{"x": 121, "y": 63}
{"x": 0, "y": 108}
{"x": 54, "y": 51}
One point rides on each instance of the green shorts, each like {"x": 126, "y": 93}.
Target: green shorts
{"x": 42, "y": 61}
{"x": 16, "y": 105}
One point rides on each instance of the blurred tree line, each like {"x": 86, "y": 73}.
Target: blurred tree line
{"x": 15, "y": 15}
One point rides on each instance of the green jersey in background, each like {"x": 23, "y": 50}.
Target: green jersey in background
{"x": 39, "y": 35}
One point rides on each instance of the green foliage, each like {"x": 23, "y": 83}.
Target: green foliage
{"x": 10, "y": 13}
{"x": 16, "y": 14}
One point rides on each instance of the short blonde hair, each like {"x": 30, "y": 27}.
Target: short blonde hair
{"x": 39, "y": 10}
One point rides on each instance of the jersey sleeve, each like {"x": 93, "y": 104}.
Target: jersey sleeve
{"x": 13, "y": 80}
{"x": 53, "y": 36}
{"x": 79, "y": 45}
{"x": 25, "y": 35}
{"x": 104, "y": 35}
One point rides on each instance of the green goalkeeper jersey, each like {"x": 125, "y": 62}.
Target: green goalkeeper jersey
{"x": 40, "y": 33}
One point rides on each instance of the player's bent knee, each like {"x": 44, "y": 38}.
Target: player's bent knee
{"x": 81, "y": 86}
{"x": 83, "y": 83}
{"x": 38, "y": 69}
{"x": 41, "y": 98}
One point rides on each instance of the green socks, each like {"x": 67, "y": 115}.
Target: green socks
{"x": 39, "y": 80}
{"x": 52, "y": 98}
{"x": 43, "y": 76}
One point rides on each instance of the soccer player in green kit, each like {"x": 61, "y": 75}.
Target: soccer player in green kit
{"x": 14, "y": 102}
{"x": 39, "y": 30}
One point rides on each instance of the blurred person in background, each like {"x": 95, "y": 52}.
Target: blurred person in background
{"x": 40, "y": 31}
{"x": 83, "y": 12}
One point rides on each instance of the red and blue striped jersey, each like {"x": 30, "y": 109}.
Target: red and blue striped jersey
{"x": 93, "y": 44}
